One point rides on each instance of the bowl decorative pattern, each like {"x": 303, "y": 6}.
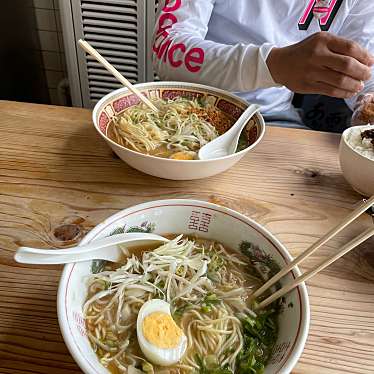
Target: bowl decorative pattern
{"x": 205, "y": 220}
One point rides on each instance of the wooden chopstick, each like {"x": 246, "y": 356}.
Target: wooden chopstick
{"x": 94, "y": 53}
{"x": 288, "y": 287}
{"x": 349, "y": 219}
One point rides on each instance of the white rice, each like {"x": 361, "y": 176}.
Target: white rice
{"x": 362, "y": 146}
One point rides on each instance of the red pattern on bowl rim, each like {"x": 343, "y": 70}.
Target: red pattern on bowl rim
{"x": 189, "y": 94}
{"x": 126, "y": 102}
{"x": 103, "y": 122}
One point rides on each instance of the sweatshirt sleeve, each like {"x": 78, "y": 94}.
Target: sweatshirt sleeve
{"x": 180, "y": 51}
{"x": 359, "y": 26}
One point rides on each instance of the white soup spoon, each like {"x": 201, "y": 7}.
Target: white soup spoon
{"x": 108, "y": 248}
{"x": 227, "y": 143}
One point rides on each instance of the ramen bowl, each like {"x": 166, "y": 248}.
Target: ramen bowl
{"x": 357, "y": 167}
{"x": 118, "y": 101}
{"x": 205, "y": 220}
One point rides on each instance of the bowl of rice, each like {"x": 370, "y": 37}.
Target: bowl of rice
{"x": 166, "y": 144}
{"x": 356, "y": 155}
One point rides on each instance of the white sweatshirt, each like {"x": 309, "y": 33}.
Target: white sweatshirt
{"x": 225, "y": 43}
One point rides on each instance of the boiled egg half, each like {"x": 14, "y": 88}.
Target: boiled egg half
{"x": 160, "y": 338}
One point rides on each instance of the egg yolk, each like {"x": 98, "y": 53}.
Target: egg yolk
{"x": 182, "y": 156}
{"x": 161, "y": 330}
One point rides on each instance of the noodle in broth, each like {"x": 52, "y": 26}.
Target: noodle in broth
{"x": 208, "y": 287}
{"x": 180, "y": 128}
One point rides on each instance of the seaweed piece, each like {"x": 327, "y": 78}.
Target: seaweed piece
{"x": 98, "y": 266}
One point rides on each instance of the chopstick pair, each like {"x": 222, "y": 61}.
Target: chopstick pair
{"x": 95, "y": 54}
{"x": 346, "y": 248}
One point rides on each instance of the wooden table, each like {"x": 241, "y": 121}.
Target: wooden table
{"x": 58, "y": 179}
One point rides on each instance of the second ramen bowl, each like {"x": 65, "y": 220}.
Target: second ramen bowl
{"x": 118, "y": 101}
{"x": 207, "y": 221}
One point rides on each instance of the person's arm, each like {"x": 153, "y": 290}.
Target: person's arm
{"x": 180, "y": 51}
{"x": 322, "y": 64}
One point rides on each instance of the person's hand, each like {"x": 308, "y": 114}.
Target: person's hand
{"x": 364, "y": 110}
{"x": 322, "y": 64}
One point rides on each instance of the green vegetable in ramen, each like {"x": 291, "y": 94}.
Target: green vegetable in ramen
{"x": 208, "y": 288}
{"x": 180, "y": 128}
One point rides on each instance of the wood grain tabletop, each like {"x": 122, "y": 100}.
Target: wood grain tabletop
{"x": 58, "y": 179}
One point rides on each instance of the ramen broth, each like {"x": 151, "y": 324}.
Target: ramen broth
{"x": 231, "y": 273}
{"x": 161, "y": 151}
{"x": 180, "y": 128}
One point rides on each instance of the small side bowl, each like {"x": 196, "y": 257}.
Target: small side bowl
{"x": 357, "y": 169}
{"x": 117, "y": 101}
{"x": 205, "y": 220}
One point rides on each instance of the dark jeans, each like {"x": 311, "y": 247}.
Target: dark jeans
{"x": 291, "y": 118}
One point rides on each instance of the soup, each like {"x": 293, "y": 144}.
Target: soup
{"x": 180, "y": 128}
{"x": 208, "y": 321}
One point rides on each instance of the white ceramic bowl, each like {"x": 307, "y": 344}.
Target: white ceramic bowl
{"x": 357, "y": 169}
{"x": 190, "y": 217}
{"x": 117, "y": 101}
